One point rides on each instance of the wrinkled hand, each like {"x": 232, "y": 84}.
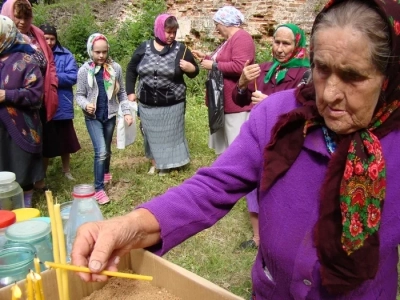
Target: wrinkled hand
{"x": 249, "y": 73}
{"x": 186, "y": 66}
{"x": 207, "y": 64}
{"x": 132, "y": 97}
{"x": 90, "y": 108}
{"x": 198, "y": 54}
{"x": 99, "y": 245}
{"x": 128, "y": 119}
{"x": 257, "y": 97}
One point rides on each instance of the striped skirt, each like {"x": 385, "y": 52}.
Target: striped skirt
{"x": 164, "y": 135}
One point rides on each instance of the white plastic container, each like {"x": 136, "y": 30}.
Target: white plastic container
{"x": 11, "y": 194}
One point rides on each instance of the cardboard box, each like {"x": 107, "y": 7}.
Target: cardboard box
{"x": 178, "y": 281}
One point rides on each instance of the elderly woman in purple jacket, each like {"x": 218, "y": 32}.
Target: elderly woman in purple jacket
{"x": 325, "y": 160}
{"x": 64, "y": 138}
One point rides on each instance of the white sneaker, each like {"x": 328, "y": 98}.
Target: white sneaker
{"x": 152, "y": 170}
{"x": 69, "y": 175}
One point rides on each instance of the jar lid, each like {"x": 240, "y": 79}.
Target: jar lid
{"x": 7, "y": 177}
{"x": 46, "y": 219}
{"x": 24, "y": 214}
{"x": 7, "y": 218}
{"x": 28, "y": 230}
{"x": 83, "y": 191}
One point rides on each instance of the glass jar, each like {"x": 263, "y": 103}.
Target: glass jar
{"x": 16, "y": 259}
{"x": 11, "y": 194}
{"x": 84, "y": 209}
{"x": 34, "y": 232}
{"x": 7, "y": 218}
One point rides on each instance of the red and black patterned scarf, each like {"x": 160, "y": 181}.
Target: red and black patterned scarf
{"x": 353, "y": 192}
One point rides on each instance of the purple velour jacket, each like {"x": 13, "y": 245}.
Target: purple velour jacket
{"x": 286, "y": 265}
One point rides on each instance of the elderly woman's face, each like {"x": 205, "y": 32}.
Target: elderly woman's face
{"x": 221, "y": 29}
{"x": 23, "y": 24}
{"x": 347, "y": 84}
{"x": 283, "y": 44}
{"x": 50, "y": 40}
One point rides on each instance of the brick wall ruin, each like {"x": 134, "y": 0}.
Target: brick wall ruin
{"x": 261, "y": 17}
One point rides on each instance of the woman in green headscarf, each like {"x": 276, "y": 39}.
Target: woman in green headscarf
{"x": 290, "y": 62}
{"x": 289, "y": 66}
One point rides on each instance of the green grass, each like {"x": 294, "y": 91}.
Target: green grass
{"x": 212, "y": 253}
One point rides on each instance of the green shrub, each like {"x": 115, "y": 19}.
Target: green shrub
{"x": 75, "y": 35}
{"x": 134, "y": 31}
{"x": 263, "y": 52}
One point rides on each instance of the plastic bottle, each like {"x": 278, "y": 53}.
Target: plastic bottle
{"x": 84, "y": 209}
{"x": 11, "y": 194}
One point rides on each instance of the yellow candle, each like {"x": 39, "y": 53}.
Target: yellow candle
{"x": 37, "y": 279}
{"x": 16, "y": 292}
{"x": 29, "y": 287}
{"x": 61, "y": 246}
{"x": 87, "y": 270}
{"x": 36, "y": 261}
{"x": 39, "y": 287}
{"x": 56, "y": 252}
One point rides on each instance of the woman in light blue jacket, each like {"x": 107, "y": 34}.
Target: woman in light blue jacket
{"x": 64, "y": 139}
{"x": 99, "y": 86}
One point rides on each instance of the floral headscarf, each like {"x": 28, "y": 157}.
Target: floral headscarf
{"x": 10, "y": 39}
{"x": 229, "y": 16}
{"x": 297, "y": 59}
{"x": 108, "y": 71}
{"x": 346, "y": 235}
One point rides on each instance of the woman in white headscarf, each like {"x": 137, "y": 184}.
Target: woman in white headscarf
{"x": 229, "y": 58}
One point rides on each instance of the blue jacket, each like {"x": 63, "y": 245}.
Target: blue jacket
{"x": 67, "y": 72}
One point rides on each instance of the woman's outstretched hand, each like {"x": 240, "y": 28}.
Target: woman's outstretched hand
{"x": 99, "y": 245}
{"x": 198, "y": 55}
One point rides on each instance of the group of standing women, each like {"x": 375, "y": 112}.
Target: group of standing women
{"x": 161, "y": 89}
{"x": 326, "y": 158}
{"x": 34, "y": 125}
{"x": 159, "y": 66}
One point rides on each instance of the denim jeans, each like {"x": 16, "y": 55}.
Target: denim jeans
{"x": 101, "y": 134}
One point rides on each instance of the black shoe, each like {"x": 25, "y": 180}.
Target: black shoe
{"x": 250, "y": 244}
